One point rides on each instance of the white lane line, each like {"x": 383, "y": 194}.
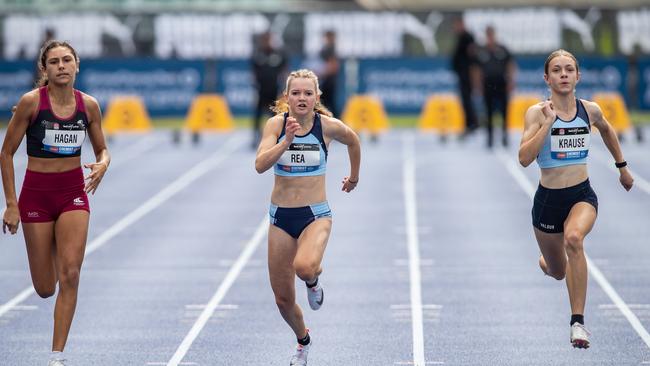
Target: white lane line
{"x": 639, "y": 182}
{"x": 413, "y": 249}
{"x": 127, "y": 154}
{"x": 593, "y": 268}
{"x": 218, "y": 296}
{"x": 166, "y": 193}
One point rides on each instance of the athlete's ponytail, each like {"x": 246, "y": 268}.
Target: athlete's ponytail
{"x": 282, "y": 105}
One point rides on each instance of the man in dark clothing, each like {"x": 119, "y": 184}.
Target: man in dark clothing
{"x": 464, "y": 63}
{"x": 329, "y": 77}
{"x": 268, "y": 67}
{"x": 498, "y": 68}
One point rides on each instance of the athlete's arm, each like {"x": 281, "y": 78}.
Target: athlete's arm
{"x": 537, "y": 122}
{"x": 270, "y": 151}
{"x": 340, "y": 132}
{"x": 15, "y": 131}
{"x": 102, "y": 157}
{"x": 610, "y": 139}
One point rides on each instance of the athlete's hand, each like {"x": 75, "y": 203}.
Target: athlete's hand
{"x": 349, "y": 185}
{"x": 626, "y": 179}
{"x": 290, "y": 129}
{"x": 549, "y": 112}
{"x": 10, "y": 220}
{"x": 93, "y": 179}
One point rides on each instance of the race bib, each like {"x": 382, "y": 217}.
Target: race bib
{"x": 570, "y": 143}
{"x": 64, "y": 142}
{"x": 300, "y": 158}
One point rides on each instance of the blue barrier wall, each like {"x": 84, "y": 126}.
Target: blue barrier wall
{"x": 403, "y": 84}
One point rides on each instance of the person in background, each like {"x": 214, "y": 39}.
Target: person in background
{"x": 497, "y": 79}
{"x": 330, "y": 73}
{"x": 464, "y": 65}
{"x": 269, "y": 65}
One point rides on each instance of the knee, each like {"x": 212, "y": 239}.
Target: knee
{"x": 306, "y": 271}
{"x": 557, "y": 274}
{"x": 69, "y": 277}
{"x": 45, "y": 291}
{"x": 573, "y": 242}
{"x": 284, "y": 303}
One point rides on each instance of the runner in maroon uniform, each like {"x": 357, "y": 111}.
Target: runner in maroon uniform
{"x": 53, "y": 204}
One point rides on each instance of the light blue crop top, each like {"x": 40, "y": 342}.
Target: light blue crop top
{"x": 307, "y": 154}
{"x": 567, "y": 142}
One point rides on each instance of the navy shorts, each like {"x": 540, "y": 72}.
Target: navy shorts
{"x": 295, "y": 219}
{"x": 551, "y": 207}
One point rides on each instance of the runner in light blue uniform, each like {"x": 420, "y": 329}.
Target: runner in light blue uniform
{"x": 557, "y": 135}
{"x": 295, "y": 143}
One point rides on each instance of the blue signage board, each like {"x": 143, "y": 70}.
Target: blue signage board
{"x": 166, "y": 86}
{"x": 404, "y": 84}
{"x": 644, "y": 84}
{"x": 16, "y": 78}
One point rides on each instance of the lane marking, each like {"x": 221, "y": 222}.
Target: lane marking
{"x": 221, "y": 292}
{"x": 134, "y": 150}
{"x": 595, "y": 272}
{"x": 161, "y": 197}
{"x": 413, "y": 249}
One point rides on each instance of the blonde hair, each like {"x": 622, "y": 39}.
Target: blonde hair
{"x": 558, "y": 53}
{"x": 281, "y": 105}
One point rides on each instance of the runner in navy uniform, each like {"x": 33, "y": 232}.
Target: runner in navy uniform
{"x": 53, "y": 205}
{"x": 295, "y": 144}
{"x": 557, "y": 133}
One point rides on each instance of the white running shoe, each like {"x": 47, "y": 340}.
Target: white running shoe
{"x": 579, "y": 336}
{"x": 315, "y": 296}
{"x": 300, "y": 357}
{"x": 56, "y": 363}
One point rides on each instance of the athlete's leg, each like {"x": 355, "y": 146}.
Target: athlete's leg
{"x": 578, "y": 224}
{"x": 553, "y": 260}
{"x": 504, "y": 114}
{"x": 489, "y": 100}
{"x": 39, "y": 240}
{"x": 71, "y": 230}
{"x": 282, "y": 251}
{"x": 311, "y": 248}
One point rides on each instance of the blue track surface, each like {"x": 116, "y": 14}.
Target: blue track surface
{"x": 170, "y": 225}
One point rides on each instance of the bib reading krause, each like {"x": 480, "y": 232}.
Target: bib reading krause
{"x": 567, "y": 142}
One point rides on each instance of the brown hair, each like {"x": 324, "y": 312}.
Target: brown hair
{"x": 42, "y": 58}
{"x": 557, "y": 53}
{"x": 281, "y": 105}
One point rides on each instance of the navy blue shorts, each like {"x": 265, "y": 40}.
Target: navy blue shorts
{"x": 551, "y": 207}
{"x": 295, "y": 219}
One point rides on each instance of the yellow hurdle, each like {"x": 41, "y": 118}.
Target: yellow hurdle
{"x": 442, "y": 113}
{"x": 614, "y": 110}
{"x": 517, "y": 107}
{"x": 209, "y": 112}
{"x": 365, "y": 112}
{"x": 126, "y": 114}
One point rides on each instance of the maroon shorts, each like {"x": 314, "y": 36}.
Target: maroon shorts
{"x": 45, "y": 196}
